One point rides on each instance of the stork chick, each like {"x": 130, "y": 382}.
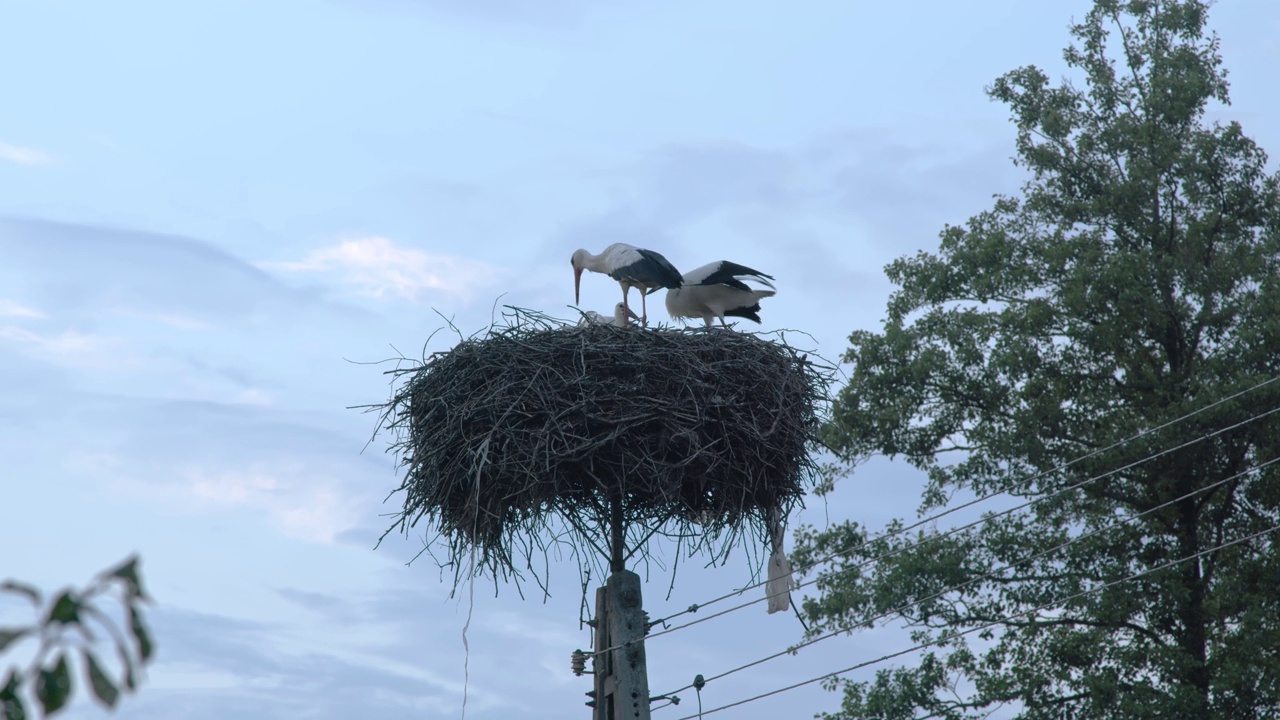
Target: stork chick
{"x": 621, "y": 317}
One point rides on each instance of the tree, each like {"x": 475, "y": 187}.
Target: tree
{"x": 1136, "y": 279}
{"x": 69, "y": 623}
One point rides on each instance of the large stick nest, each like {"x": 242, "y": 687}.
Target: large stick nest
{"x": 535, "y": 431}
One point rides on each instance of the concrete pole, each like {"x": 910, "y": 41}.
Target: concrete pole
{"x": 602, "y": 663}
{"x": 627, "y": 628}
{"x": 621, "y": 676}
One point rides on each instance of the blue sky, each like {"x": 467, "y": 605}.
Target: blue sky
{"x": 209, "y": 210}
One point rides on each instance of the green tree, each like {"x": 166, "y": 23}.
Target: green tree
{"x": 66, "y": 634}
{"x": 1134, "y": 280}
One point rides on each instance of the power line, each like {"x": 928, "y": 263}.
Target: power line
{"x": 967, "y": 526}
{"x": 955, "y": 530}
{"x": 993, "y": 623}
{"x": 990, "y": 575}
{"x": 931, "y": 518}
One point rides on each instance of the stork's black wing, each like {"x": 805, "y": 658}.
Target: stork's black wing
{"x": 651, "y": 268}
{"x": 728, "y": 273}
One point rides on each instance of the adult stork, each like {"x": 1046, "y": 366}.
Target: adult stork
{"x": 631, "y": 267}
{"x": 718, "y": 289}
{"x": 621, "y": 317}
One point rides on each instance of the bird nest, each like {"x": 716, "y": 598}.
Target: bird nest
{"x": 536, "y": 433}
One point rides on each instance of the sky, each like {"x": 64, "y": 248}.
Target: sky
{"x": 214, "y": 216}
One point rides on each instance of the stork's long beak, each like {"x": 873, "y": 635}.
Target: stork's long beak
{"x": 577, "y": 282}
{"x": 631, "y": 313}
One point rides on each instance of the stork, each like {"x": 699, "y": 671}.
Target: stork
{"x": 621, "y": 317}
{"x": 631, "y": 267}
{"x": 718, "y": 289}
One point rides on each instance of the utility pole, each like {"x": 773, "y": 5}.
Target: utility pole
{"x": 621, "y": 676}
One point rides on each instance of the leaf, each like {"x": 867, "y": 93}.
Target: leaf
{"x": 130, "y": 680}
{"x": 9, "y": 635}
{"x": 103, "y": 688}
{"x": 140, "y": 633}
{"x": 11, "y": 705}
{"x": 65, "y": 610}
{"x": 128, "y": 572}
{"x": 30, "y": 591}
{"x": 53, "y": 687}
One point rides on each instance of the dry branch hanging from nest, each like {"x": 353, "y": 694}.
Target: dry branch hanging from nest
{"x": 538, "y": 432}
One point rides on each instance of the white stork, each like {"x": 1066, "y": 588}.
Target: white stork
{"x": 631, "y": 267}
{"x": 718, "y": 289}
{"x": 619, "y": 318}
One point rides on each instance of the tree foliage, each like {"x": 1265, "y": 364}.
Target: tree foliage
{"x": 1135, "y": 280}
{"x": 65, "y": 635}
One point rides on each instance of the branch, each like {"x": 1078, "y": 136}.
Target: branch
{"x": 1054, "y": 622}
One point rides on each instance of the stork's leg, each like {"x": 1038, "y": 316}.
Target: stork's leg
{"x": 625, "y": 289}
{"x": 723, "y": 324}
{"x": 709, "y": 320}
{"x": 644, "y": 311}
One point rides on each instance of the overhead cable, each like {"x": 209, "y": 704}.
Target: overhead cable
{"x": 951, "y": 636}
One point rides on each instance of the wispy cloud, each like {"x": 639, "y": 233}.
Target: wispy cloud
{"x": 9, "y": 308}
{"x": 378, "y": 267}
{"x": 69, "y": 347}
{"x": 84, "y": 271}
{"x": 311, "y": 511}
{"x": 303, "y": 509}
{"x": 24, "y": 155}
{"x": 215, "y": 665}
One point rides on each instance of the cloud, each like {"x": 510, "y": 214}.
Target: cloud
{"x": 299, "y": 501}
{"x": 387, "y": 650}
{"x": 210, "y": 665}
{"x": 23, "y": 155}
{"x": 68, "y": 347}
{"x": 831, "y": 211}
{"x": 9, "y": 308}
{"x": 906, "y": 190}
{"x": 878, "y": 176}
{"x": 706, "y": 201}
{"x": 619, "y": 224}
{"x": 378, "y": 267}
{"x": 76, "y": 269}
{"x": 286, "y": 470}
{"x": 30, "y": 382}
{"x": 693, "y": 180}
{"x": 396, "y": 621}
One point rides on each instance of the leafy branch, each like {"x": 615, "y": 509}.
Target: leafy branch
{"x": 68, "y": 626}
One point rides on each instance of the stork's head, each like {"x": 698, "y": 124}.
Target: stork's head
{"x": 579, "y": 263}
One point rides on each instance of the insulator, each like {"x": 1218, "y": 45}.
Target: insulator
{"x": 578, "y": 662}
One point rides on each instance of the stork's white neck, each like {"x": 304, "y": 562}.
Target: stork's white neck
{"x": 586, "y": 260}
